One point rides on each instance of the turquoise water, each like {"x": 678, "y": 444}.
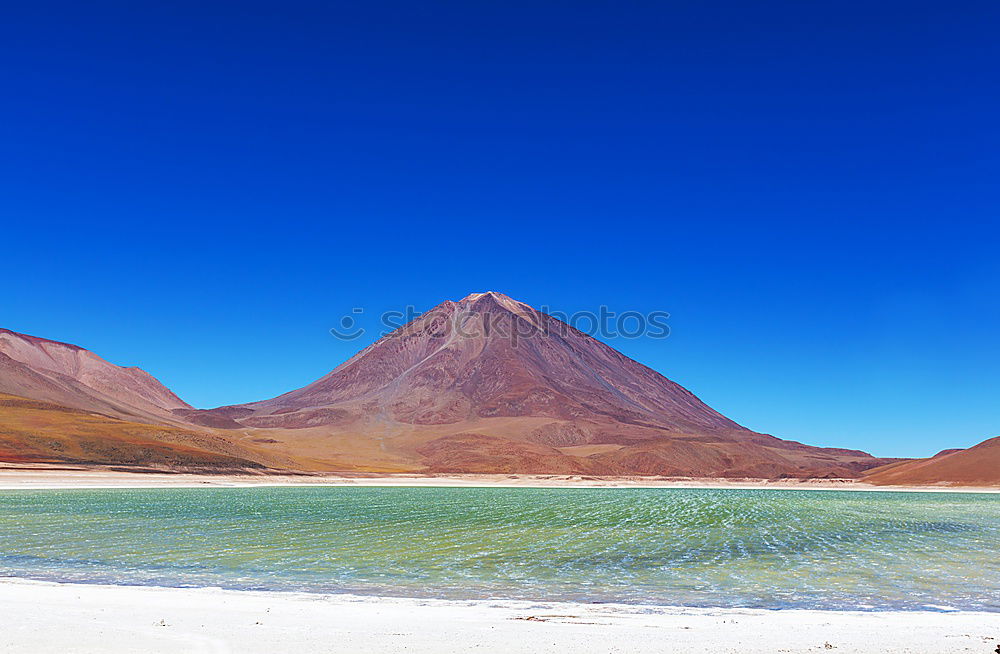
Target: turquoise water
{"x": 693, "y": 547}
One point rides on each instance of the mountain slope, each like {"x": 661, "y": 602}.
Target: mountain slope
{"x": 33, "y": 431}
{"x": 489, "y": 356}
{"x": 62, "y": 403}
{"x": 977, "y": 466}
{"x": 489, "y": 384}
{"x": 71, "y": 376}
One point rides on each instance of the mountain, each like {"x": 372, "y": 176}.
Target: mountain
{"x": 71, "y": 376}
{"x": 489, "y": 384}
{"x": 977, "y": 466}
{"x": 34, "y": 431}
{"x": 486, "y": 384}
{"x": 60, "y": 403}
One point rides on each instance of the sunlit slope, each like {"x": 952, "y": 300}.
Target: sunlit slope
{"x": 37, "y": 431}
{"x": 978, "y": 465}
{"x": 71, "y": 376}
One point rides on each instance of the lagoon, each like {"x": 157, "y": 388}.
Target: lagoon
{"x": 874, "y": 551}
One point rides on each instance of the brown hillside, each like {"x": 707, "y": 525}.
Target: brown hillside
{"x": 36, "y": 431}
{"x": 976, "y": 466}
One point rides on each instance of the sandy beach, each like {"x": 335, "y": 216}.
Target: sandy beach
{"x": 50, "y": 617}
{"x": 41, "y": 476}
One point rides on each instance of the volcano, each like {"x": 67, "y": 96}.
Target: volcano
{"x": 488, "y": 384}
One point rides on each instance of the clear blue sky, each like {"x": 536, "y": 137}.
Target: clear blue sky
{"x": 810, "y": 189}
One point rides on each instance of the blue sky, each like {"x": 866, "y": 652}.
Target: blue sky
{"x": 204, "y": 189}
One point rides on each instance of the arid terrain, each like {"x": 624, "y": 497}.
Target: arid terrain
{"x": 976, "y": 466}
{"x": 484, "y": 385}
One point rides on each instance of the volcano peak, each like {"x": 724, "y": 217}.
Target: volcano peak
{"x": 486, "y": 298}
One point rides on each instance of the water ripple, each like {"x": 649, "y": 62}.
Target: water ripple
{"x": 693, "y": 547}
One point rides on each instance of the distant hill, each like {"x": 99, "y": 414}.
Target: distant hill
{"x": 977, "y": 466}
{"x": 71, "y": 376}
{"x": 61, "y": 403}
{"x": 33, "y": 431}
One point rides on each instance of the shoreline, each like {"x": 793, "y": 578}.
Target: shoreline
{"x": 51, "y": 616}
{"x": 58, "y": 476}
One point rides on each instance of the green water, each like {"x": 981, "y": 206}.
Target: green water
{"x": 693, "y": 547}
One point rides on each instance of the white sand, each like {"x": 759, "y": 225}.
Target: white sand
{"x": 38, "y": 617}
{"x": 41, "y": 476}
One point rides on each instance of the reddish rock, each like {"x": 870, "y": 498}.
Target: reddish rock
{"x": 976, "y": 466}
{"x": 71, "y": 376}
{"x": 488, "y": 384}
